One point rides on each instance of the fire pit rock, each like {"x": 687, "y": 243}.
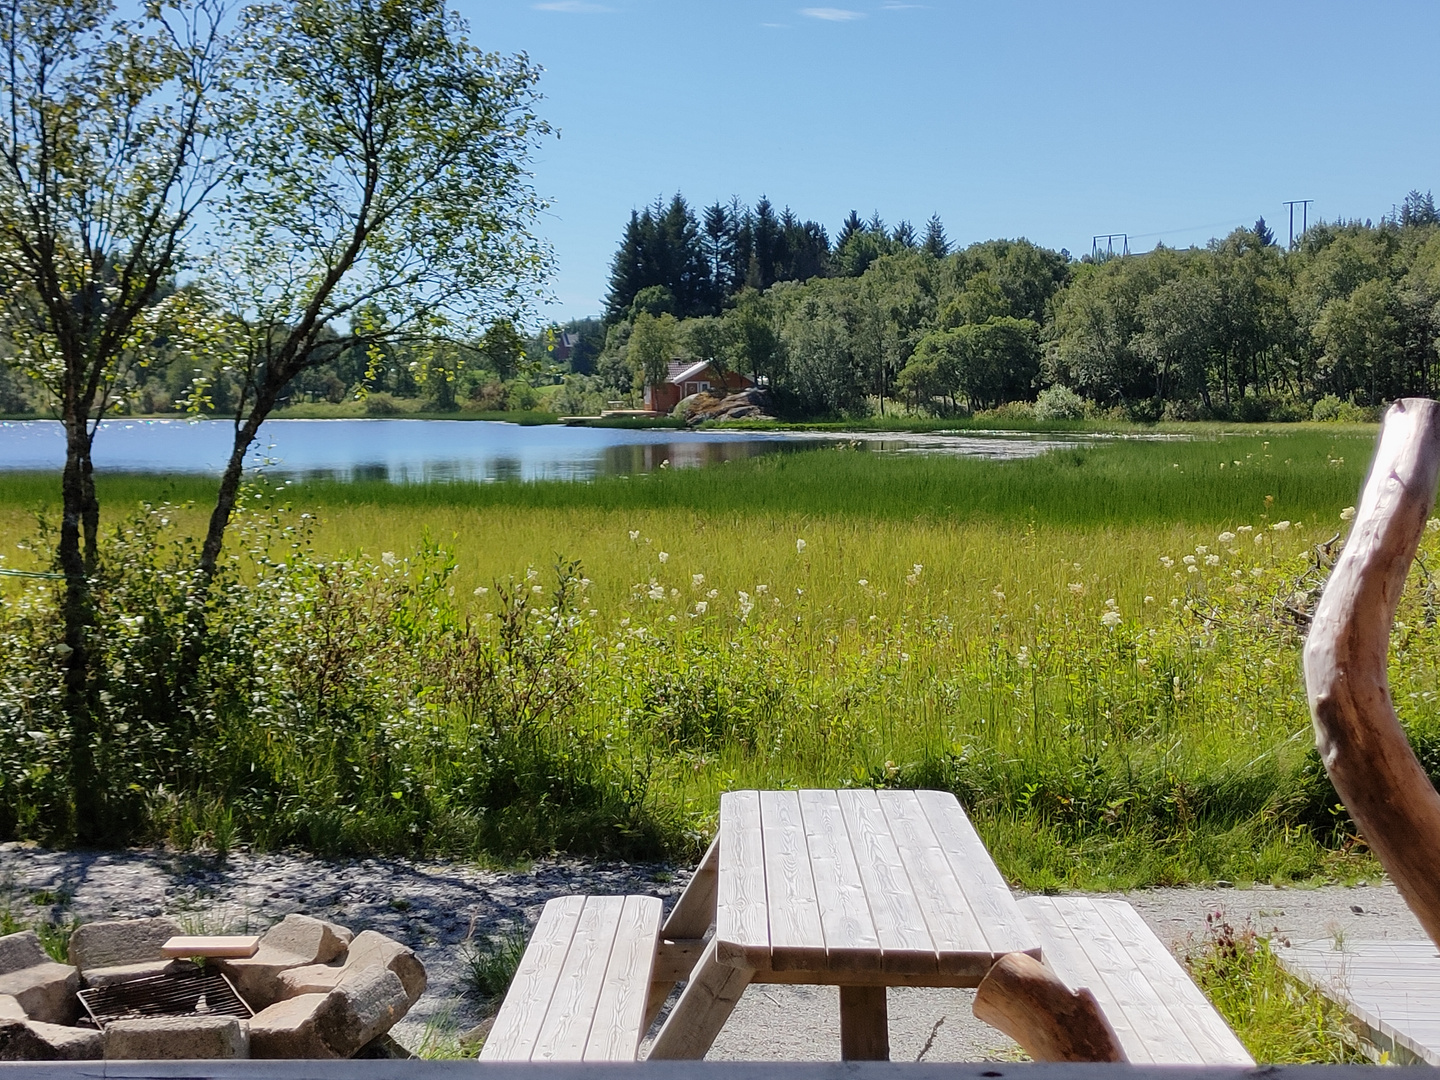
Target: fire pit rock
{"x": 294, "y": 942}
{"x": 42, "y": 988}
{"x": 320, "y": 992}
{"x": 119, "y": 950}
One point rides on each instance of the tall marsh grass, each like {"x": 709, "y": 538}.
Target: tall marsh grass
{"x": 1097, "y": 650}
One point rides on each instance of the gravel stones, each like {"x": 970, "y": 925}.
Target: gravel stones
{"x": 177, "y": 1038}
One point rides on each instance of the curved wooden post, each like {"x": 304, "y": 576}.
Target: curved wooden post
{"x": 1365, "y": 751}
{"x": 1029, "y": 1002}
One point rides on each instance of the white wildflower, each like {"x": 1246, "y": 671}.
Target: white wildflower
{"x": 1111, "y": 604}
{"x": 746, "y": 605}
{"x": 1226, "y": 537}
{"x": 1280, "y": 526}
{"x": 388, "y": 558}
{"x": 1256, "y": 571}
{"x": 1244, "y": 528}
{"x": 674, "y": 594}
{"x": 1023, "y": 656}
{"x": 664, "y": 556}
{"x": 701, "y": 607}
{"x": 1259, "y": 539}
{"x": 531, "y": 573}
{"x": 657, "y": 591}
{"x": 1076, "y": 588}
{"x": 712, "y": 594}
{"x": 761, "y": 590}
{"x": 1166, "y": 561}
{"x": 799, "y": 546}
{"x": 864, "y": 582}
{"x": 1201, "y": 549}
{"x": 1111, "y": 619}
{"x": 1212, "y": 560}
{"x": 1192, "y": 569}
{"x": 1149, "y": 599}
{"x": 696, "y": 580}
{"x": 1433, "y": 524}
{"x": 634, "y": 535}
{"x": 537, "y": 589}
{"x": 481, "y": 590}
{"x": 1349, "y": 513}
{"x": 1188, "y": 560}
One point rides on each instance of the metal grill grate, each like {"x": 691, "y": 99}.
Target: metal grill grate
{"x": 196, "y": 992}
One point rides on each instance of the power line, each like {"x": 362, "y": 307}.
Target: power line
{"x": 1109, "y": 239}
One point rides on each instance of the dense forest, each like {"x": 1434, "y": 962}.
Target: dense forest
{"x": 894, "y": 319}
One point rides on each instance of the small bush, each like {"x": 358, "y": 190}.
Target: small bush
{"x": 1332, "y": 409}
{"x": 1059, "y": 403}
{"x": 381, "y": 405}
{"x": 488, "y": 966}
{"x": 1277, "y": 1017}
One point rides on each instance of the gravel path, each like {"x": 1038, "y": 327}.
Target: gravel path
{"x": 434, "y": 907}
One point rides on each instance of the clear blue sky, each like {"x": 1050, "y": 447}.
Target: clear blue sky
{"x": 1053, "y": 121}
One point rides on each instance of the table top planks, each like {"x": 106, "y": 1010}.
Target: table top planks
{"x": 880, "y": 887}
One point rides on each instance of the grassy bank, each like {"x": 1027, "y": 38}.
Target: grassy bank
{"x": 1027, "y": 634}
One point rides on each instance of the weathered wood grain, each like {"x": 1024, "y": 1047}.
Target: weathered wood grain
{"x": 620, "y": 1014}
{"x": 851, "y": 942}
{"x": 797, "y": 939}
{"x": 526, "y": 1002}
{"x": 705, "y": 1004}
{"x": 1027, "y": 1001}
{"x": 742, "y": 927}
{"x": 1364, "y": 749}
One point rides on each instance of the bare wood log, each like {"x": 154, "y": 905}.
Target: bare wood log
{"x": 1365, "y": 751}
{"x": 1027, "y": 1001}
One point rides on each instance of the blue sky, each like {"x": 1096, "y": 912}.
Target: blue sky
{"x": 1054, "y": 121}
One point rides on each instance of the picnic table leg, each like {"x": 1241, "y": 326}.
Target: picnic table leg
{"x": 705, "y": 1004}
{"x": 692, "y": 915}
{"x": 864, "y": 1024}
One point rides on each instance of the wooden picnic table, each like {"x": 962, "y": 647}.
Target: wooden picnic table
{"x": 861, "y": 889}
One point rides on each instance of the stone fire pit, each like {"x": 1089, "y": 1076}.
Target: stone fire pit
{"x": 315, "y": 989}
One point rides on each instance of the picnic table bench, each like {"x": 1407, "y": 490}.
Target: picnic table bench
{"x": 860, "y": 889}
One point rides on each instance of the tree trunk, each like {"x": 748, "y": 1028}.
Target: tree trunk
{"x": 1359, "y": 736}
{"x": 230, "y": 484}
{"x": 79, "y": 512}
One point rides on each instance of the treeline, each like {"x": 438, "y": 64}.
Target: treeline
{"x": 1242, "y": 328}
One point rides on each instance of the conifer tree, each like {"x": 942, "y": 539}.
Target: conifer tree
{"x": 935, "y": 241}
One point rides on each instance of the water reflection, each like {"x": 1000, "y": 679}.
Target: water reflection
{"x": 407, "y": 451}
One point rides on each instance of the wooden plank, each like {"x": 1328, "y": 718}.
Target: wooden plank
{"x": 1066, "y": 956}
{"x": 851, "y": 942}
{"x": 797, "y": 939}
{"x": 742, "y": 928}
{"x": 1123, "y": 987}
{"x": 705, "y": 1004}
{"x": 523, "y": 1011}
{"x": 694, "y": 912}
{"x": 216, "y": 946}
{"x": 985, "y": 890}
{"x": 566, "y": 1030}
{"x": 620, "y": 1014}
{"x": 900, "y": 924}
{"x": 1207, "y": 1031}
{"x": 1391, "y": 989}
{"x": 960, "y": 942}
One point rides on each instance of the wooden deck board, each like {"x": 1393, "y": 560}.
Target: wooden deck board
{"x": 1391, "y": 988}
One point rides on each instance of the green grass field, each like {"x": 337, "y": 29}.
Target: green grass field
{"x": 1027, "y": 634}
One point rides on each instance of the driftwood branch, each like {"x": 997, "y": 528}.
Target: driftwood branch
{"x": 1365, "y": 751}
{"x": 1027, "y": 1001}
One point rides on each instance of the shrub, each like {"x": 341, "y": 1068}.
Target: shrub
{"x": 1332, "y": 409}
{"x": 381, "y": 405}
{"x": 1059, "y": 403}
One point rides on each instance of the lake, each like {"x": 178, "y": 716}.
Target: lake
{"x": 407, "y": 451}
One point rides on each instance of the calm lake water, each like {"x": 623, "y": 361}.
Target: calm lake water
{"x": 405, "y": 451}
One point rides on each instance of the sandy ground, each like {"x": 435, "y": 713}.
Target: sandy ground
{"x": 435, "y": 907}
